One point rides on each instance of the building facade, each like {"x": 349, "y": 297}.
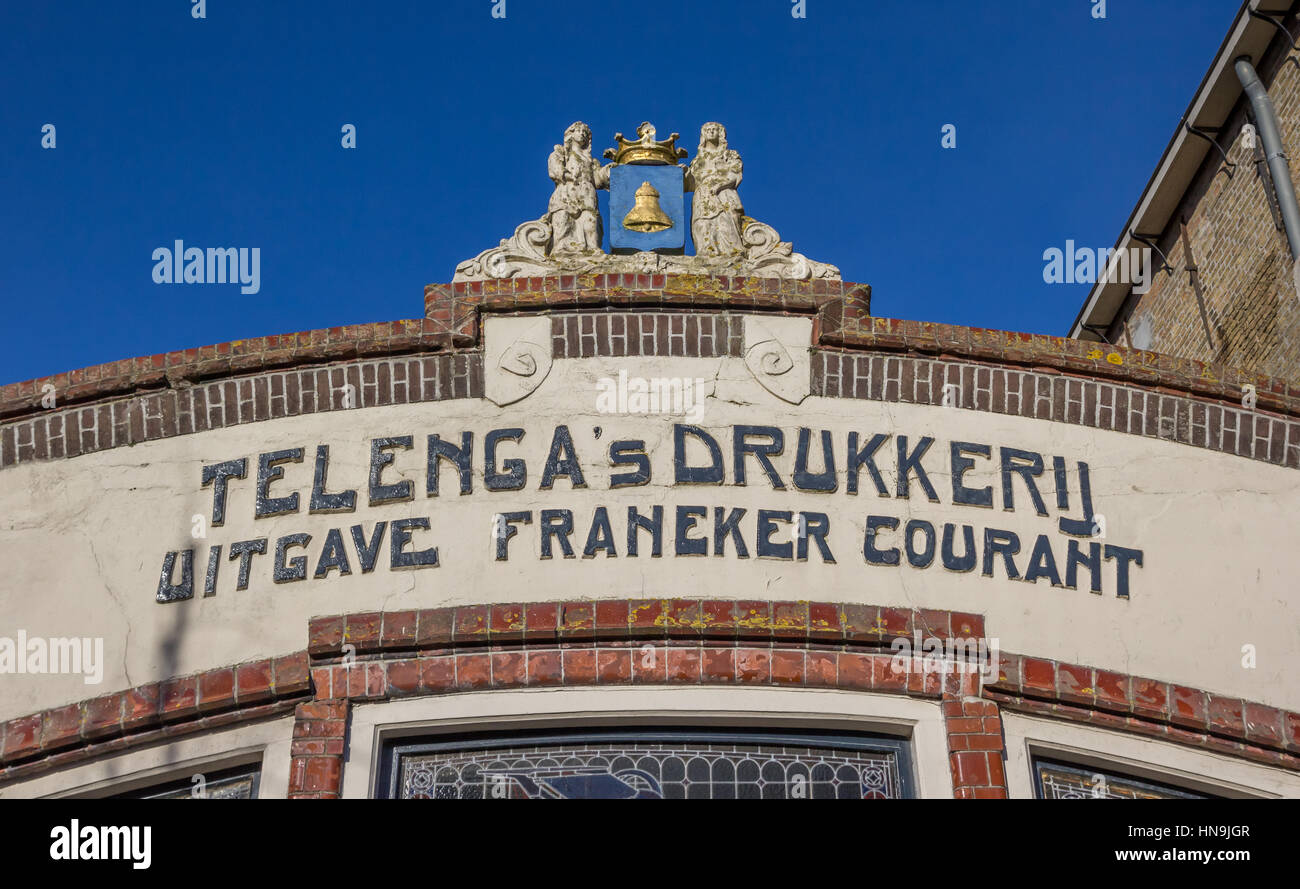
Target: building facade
{"x": 1211, "y": 220}
{"x": 650, "y": 535}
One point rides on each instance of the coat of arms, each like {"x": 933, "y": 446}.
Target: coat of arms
{"x": 648, "y": 184}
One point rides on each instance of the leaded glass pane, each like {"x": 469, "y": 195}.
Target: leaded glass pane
{"x": 1060, "y": 781}
{"x": 676, "y": 767}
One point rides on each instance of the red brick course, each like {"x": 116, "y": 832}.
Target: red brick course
{"x": 1146, "y": 706}
{"x": 702, "y": 663}
{"x": 106, "y": 744}
{"x": 168, "y": 707}
{"x": 634, "y": 641}
{"x": 630, "y": 620}
{"x": 188, "y": 366}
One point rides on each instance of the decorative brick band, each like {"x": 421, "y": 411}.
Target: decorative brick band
{"x": 715, "y": 662}
{"x": 841, "y": 311}
{"x": 124, "y": 402}
{"x": 491, "y": 646}
{"x": 147, "y": 713}
{"x": 634, "y": 642}
{"x": 458, "y": 307}
{"x": 1167, "y": 416}
{"x": 166, "y": 413}
{"x": 624, "y": 334}
{"x": 842, "y": 320}
{"x": 1165, "y": 710}
{"x": 974, "y": 728}
{"x": 652, "y": 642}
{"x": 625, "y": 621}
{"x": 256, "y": 354}
{"x": 139, "y": 740}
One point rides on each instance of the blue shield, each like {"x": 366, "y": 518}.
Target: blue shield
{"x": 659, "y": 223}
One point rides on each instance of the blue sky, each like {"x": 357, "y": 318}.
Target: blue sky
{"x": 225, "y": 131}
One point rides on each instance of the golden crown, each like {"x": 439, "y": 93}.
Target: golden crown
{"x": 645, "y": 149}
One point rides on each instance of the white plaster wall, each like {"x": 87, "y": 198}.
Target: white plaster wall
{"x": 82, "y": 540}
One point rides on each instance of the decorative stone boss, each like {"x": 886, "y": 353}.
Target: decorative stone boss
{"x": 647, "y": 185}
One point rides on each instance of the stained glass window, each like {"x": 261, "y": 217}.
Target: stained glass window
{"x": 650, "y": 764}
{"x": 1057, "y": 780}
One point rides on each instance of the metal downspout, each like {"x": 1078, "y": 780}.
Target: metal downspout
{"x": 1271, "y": 137}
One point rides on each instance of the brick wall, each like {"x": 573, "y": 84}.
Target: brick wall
{"x": 1226, "y": 234}
{"x": 678, "y": 642}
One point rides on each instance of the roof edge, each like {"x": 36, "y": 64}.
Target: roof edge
{"x": 1211, "y": 105}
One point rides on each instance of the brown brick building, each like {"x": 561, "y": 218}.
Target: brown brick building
{"x": 1224, "y": 286}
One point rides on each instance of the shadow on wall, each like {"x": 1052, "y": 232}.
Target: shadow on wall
{"x": 173, "y": 624}
{"x": 1248, "y": 333}
{"x": 176, "y": 616}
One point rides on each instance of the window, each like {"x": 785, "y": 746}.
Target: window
{"x": 648, "y": 764}
{"x": 1056, "y": 780}
{"x": 236, "y": 783}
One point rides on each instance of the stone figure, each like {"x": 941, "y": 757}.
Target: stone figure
{"x": 716, "y": 215}
{"x": 571, "y": 227}
{"x": 573, "y": 212}
{"x": 721, "y": 230}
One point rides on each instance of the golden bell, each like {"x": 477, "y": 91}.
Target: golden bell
{"x": 646, "y": 215}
